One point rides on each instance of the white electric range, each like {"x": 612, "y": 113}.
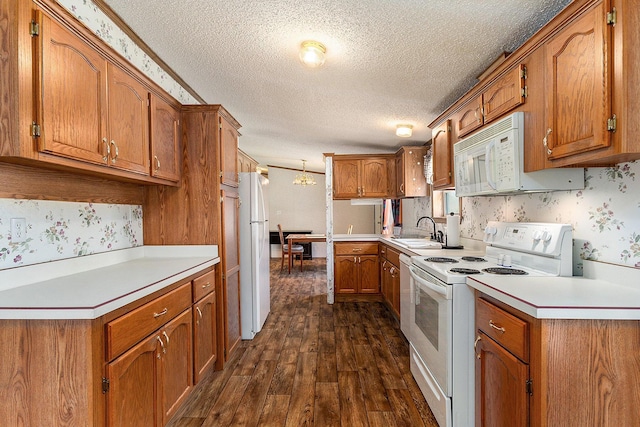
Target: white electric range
{"x": 442, "y": 327}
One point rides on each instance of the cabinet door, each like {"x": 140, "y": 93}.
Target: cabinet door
{"x": 504, "y": 95}
{"x": 415, "y": 183}
{"x": 469, "y": 118}
{"x": 128, "y": 122}
{"x": 204, "y": 336}
{"x": 400, "y": 185}
{"x": 176, "y": 367}
{"x": 578, "y": 85}
{"x": 228, "y": 153}
{"x": 165, "y": 140}
{"x": 346, "y": 274}
{"x": 72, "y": 95}
{"x": 346, "y": 181}
{"x": 384, "y": 280}
{"x": 394, "y": 286}
{"x": 373, "y": 178}
{"x": 131, "y": 400}
{"x": 231, "y": 268}
{"x": 369, "y": 277}
{"x": 442, "y": 156}
{"x": 501, "y": 395}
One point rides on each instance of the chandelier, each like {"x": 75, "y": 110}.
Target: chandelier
{"x": 304, "y": 178}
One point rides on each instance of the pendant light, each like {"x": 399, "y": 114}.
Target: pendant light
{"x": 304, "y": 178}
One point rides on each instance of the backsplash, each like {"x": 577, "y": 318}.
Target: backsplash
{"x": 58, "y": 230}
{"x": 605, "y": 215}
{"x": 91, "y": 16}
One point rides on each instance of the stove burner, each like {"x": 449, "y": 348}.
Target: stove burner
{"x": 473, "y": 259}
{"x": 440, "y": 259}
{"x": 503, "y": 270}
{"x": 464, "y": 270}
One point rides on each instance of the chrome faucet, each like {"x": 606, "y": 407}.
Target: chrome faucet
{"x": 433, "y": 235}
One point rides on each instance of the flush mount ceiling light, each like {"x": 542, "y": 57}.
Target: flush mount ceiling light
{"x": 312, "y": 53}
{"x": 404, "y": 131}
{"x": 304, "y": 178}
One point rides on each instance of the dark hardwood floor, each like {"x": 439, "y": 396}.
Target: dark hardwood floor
{"x": 345, "y": 364}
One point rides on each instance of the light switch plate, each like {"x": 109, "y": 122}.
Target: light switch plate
{"x": 18, "y": 230}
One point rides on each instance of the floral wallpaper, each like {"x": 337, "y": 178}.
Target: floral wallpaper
{"x": 57, "y": 230}
{"x": 91, "y": 16}
{"x": 605, "y": 215}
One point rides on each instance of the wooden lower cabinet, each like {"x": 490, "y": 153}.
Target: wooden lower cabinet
{"x": 502, "y": 399}
{"x": 357, "y": 268}
{"x": 390, "y": 278}
{"x": 149, "y": 382}
{"x": 204, "y": 336}
{"x": 554, "y": 372}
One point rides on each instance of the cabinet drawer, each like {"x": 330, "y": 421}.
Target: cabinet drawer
{"x": 357, "y": 248}
{"x": 505, "y": 328}
{"x": 204, "y": 285}
{"x": 393, "y": 257}
{"x": 126, "y": 330}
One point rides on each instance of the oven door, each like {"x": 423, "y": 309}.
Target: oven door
{"x": 432, "y": 326}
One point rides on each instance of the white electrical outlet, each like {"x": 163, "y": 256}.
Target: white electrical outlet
{"x": 18, "y": 230}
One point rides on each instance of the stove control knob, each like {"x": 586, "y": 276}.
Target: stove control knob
{"x": 537, "y": 235}
{"x": 546, "y": 236}
{"x": 491, "y": 231}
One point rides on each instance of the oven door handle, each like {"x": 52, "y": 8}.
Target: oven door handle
{"x": 439, "y": 289}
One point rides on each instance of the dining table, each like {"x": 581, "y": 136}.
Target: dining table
{"x": 302, "y": 238}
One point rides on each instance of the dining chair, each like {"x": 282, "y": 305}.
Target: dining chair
{"x": 295, "y": 250}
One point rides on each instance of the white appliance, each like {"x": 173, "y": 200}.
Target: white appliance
{"x": 443, "y": 324}
{"x": 491, "y": 161}
{"x": 406, "y": 296}
{"x": 254, "y": 253}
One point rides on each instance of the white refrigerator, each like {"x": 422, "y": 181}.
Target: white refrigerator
{"x": 254, "y": 253}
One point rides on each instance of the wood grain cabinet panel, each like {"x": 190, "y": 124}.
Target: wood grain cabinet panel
{"x": 362, "y": 177}
{"x": 410, "y": 178}
{"x": 165, "y": 139}
{"x": 204, "y": 336}
{"x": 442, "y": 156}
{"x": 578, "y": 86}
{"x": 228, "y": 152}
{"x": 470, "y": 117}
{"x": 505, "y": 94}
{"x": 357, "y": 268}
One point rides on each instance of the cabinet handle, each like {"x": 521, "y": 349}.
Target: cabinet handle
{"x": 496, "y": 327}
{"x": 206, "y": 286}
{"x": 199, "y": 312}
{"x": 166, "y": 336}
{"x": 113, "y": 160}
{"x": 164, "y": 350}
{"x": 355, "y": 259}
{"x": 478, "y": 117}
{"x": 356, "y": 250}
{"x": 402, "y": 187}
{"x": 544, "y": 142}
{"x": 162, "y": 313}
{"x": 107, "y": 149}
{"x": 362, "y": 191}
{"x": 157, "y": 163}
{"x": 359, "y": 192}
{"x": 475, "y": 345}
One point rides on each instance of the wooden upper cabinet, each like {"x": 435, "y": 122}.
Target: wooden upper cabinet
{"x": 442, "y": 156}
{"x": 577, "y": 94}
{"x": 508, "y": 92}
{"x": 165, "y": 140}
{"x": 246, "y": 163}
{"x": 505, "y": 94}
{"x": 361, "y": 177}
{"x": 410, "y": 179}
{"x": 128, "y": 125}
{"x": 373, "y": 177}
{"x": 71, "y": 102}
{"x": 469, "y": 118}
{"x": 228, "y": 152}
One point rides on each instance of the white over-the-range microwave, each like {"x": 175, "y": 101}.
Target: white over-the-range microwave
{"x": 491, "y": 161}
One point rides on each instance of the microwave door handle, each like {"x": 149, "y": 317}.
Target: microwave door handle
{"x": 488, "y": 160}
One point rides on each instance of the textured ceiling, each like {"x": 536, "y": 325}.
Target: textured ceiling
{"x": 388, "y": 62}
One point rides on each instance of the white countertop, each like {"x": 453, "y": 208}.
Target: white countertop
{"x": 606, "y": 291}
{"x": 470, "y": 247}
{"x": 90, "y": 286}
